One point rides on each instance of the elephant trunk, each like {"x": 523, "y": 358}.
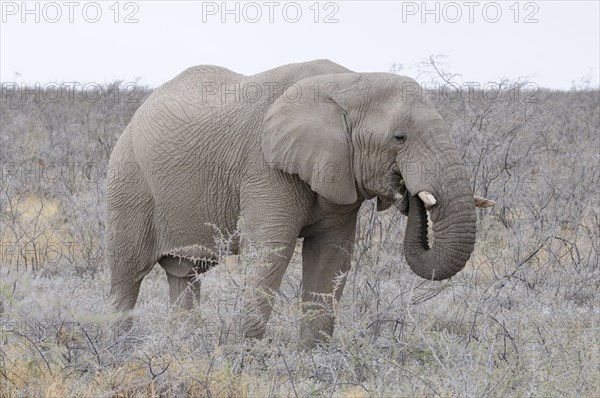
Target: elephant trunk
{"x": 454, "y": 224}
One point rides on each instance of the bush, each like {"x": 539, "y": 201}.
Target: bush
{"x": 520, "y": 320}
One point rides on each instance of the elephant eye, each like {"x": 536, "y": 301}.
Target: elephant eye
{"x": 400, "y": 136}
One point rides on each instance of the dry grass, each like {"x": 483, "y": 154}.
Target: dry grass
{"x": 522, "y": 319}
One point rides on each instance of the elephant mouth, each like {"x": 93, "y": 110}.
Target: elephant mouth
{"x": 395, "y": 192}
{"x": 399, "y": 192}
{"x": 397, "y": 183}
{"x": 397, "y": 187}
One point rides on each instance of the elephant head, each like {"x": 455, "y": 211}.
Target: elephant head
{"x": 357, "y": 136}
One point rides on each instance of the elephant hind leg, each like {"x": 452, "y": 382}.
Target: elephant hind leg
{"x": 130, "y": 240}
{"x": 130, "y": 256}
{"x": 182, "y": 276}
{"x": 183, "y": 291}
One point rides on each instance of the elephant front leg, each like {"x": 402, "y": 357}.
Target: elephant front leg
{"x": 325, "y": 261}
{"x": 274, "y": 207}
{"x": 271, "y": 262}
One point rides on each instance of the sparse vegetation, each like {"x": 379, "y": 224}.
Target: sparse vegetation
{"x": 522, "y": 319}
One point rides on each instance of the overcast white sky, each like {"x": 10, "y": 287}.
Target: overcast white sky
{"x": 559, "y": 45}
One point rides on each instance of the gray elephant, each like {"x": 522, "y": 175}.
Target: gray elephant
{"x": 285, "y": 154}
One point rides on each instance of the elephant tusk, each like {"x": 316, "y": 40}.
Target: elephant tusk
{"x": 483, "y": 202}
{"x": 398, "y": 196}
{"x": 427, "y": 198}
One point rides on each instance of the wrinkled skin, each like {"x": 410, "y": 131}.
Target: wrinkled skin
{"x": 215, "y": 148}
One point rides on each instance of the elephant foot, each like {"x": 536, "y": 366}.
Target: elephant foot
{"x": 120, "y": 338}
{"x": 318, "y": 329}
{"x": 120, "y": 328}
{"x": 253, "y": 327}
{"x": 185, "y": 323}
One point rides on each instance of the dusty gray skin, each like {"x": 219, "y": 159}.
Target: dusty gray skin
{"x": 284, "y": 166}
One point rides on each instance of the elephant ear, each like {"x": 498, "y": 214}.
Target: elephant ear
{"x": 306, "y": 133}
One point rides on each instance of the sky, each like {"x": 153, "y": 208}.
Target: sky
{"x": 550, "y": 43}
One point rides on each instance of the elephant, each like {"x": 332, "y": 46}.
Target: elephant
{"x": 285, "y": 154}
